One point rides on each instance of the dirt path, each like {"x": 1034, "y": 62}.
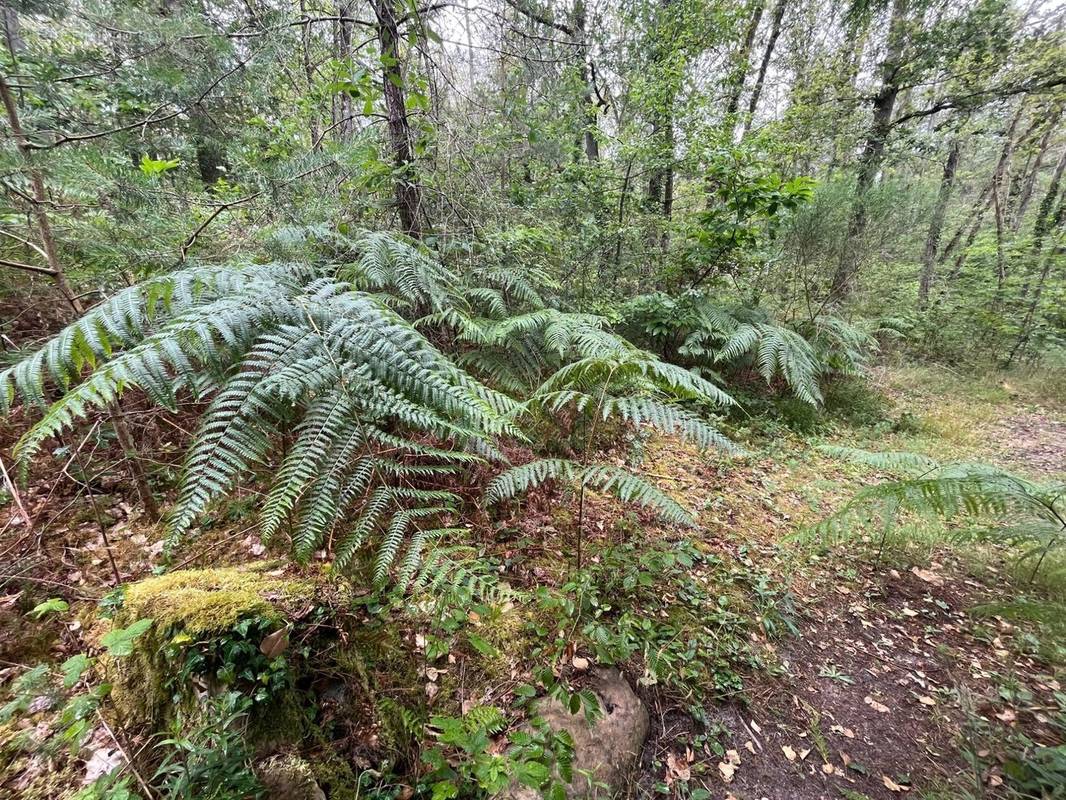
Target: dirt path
{"x": 1034, "y": 441}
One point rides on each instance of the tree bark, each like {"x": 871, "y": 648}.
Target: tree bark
{"x": 1027, "y": 181}
{"x": 872, "y": 154}
{"x": 12, "y": 31}
{"x": 590, "y": 140}
{"x": 661, "y": 180}
{"x": 764, "y": 65}
{"x": 343, "y": 122}
{"x": 408, "y": 190}
{"x": 740, "y": 71}
{"x": 936, "y": 224}
{"x": 39, "y": 199}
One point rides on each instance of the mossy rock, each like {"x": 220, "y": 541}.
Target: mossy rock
{"x": 191, "y": 606}
{"x": 288, "y": 777}
{"x": 204, "y": 601}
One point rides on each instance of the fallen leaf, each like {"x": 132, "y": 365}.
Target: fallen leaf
{"x": 927, "y": 576}
{"x": 881, "y": 708}
{"x": 677, "y": 769}
{"x": 892, "y": 786}
{"x": 846, "y": 732}
{"x": 926, "y": 701}
{"x": 276, "y": 643}
{"x": 727, "y": 771}
{"x": 790, "y": 754}
{"x": 580, "y": 663}
{"x": 1006, "y": 715}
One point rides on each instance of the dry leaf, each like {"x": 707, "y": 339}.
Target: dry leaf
{"x": 580, "y": 663}
{"x": 749, "y": 746}
{"x": 804, "y": 753}
{"x": 275, "y": 643}
{"x": 846, "y": 732}
{"x": 790, "y": 754}
{"x": 1006, "y": 715}
{"x": 677, "y": 769}
{"x": 881, "y": 708}
{"x": 927, "y": 576}
{"x": 727, "y": 771}
{"x": 926, "y": 701}
{"x": 892, "y": 786}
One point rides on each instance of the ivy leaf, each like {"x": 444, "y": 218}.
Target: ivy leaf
{"x": 53, "y": 606}
{"x": 119, "y": 642}
{"x": 73, "y": 668}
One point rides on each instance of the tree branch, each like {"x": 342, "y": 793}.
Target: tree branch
{"x": 28, "y": 267}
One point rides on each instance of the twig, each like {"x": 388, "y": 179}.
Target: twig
{"x": 16, "y": 496}
{"x": 129, "y": 761}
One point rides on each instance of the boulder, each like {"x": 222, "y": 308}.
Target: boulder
{"x": 605, "y": 750}
{"x": 288, "y": 777}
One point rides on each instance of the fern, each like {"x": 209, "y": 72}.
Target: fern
{"x": 695, "y": 330}
{"x": 995, "y": 504}
{"x": 282, "y": 347}
{"x": 626, "y": 486}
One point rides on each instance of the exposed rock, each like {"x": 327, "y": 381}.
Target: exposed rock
{"x": 288, "y": 777}
{"x": 606, "y": 750}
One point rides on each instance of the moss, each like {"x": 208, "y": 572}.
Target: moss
{"x": 201, "y": 601}
{"x": 336, "y": 778}
{"x": 288, "y": 776}
{"x": 198, "y": 604}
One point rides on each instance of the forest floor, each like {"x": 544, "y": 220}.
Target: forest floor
{"x": 848, "y": 670}
{"x": 901, "y": 677}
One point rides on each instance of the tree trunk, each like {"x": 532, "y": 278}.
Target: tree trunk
{"x": 661, "y": 180}
{"x": 936, "y": 224}
{"x": 1027, "y": 181}
{"x": 12, "y": 31}
{"x": 1057, "y": 252}
{"x": 407, "y": 189}
{"x": 343, "y": 116}
{"x": 589, "y": 138}
{"x": 740, "y": 71}
{"x": 764, "y": 65}
{"x": 872, "y": 154}
{"x": 309, "y": 74}
{"x": 39, "y": 198}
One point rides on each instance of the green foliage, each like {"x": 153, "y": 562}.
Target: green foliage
{"x": 120, "y": 641}
{"x": 995, "y": 504}
{"x": 279, "y": 347}
{"x": 206, "y": 757}
{"x": 464, "y": 763}
{"x": 673, "y": 607}
{"x": 695, "y": 330}
{"x": 53, "y": 605}
{"x": 628, "y": 487}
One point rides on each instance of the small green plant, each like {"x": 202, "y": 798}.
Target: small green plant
{"x": 234, "y": 659}
{"x": 833, "y": 672}
{"x": 206, "y": 756}
{"x": 468, "y": 761}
